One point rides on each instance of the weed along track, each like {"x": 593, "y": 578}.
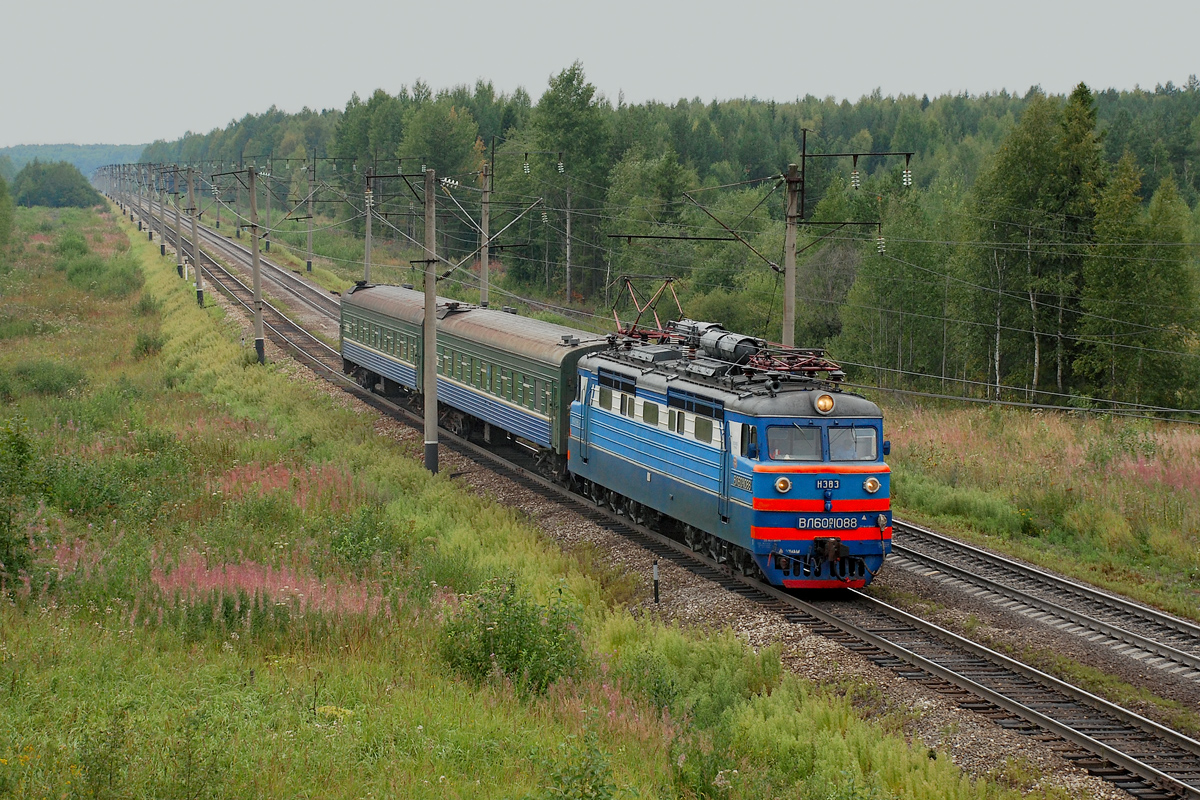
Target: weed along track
{"x": 1155, "y": 639}
{"x": 1136, "y": 754}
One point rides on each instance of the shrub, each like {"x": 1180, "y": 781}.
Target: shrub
{"x": 147, "y": 305}
{"x": 48, "y": 377}
{"x": 367, "y": 533}
{"x": 119, "y": 276}
{"x": 13, "y": 327}
{"x": 581, "y": 772}
{"x": 17, "y": 484}
{"x": 147, "y": 344}
{"x": 71, "y": 245}
{"x": 502, "y": 631}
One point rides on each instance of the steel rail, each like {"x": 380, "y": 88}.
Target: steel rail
{"x": 1007, "y": 575}
{"x": 711, "y": 569}
{"x": 1084, "y": 621}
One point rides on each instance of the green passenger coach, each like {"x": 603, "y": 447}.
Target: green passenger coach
{"x": 495, "y": 370}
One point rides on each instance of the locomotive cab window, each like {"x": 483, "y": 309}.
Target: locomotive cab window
{"x": 793, "y": 443}
{"x": 852, "y": 444}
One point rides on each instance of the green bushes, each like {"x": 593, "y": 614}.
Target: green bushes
{"x": 368, "y": 534}
{"x": 148, "y": 344}
{"x": 17, "y": 484}
{"x": 14, "y": 327}
{"x": 71, "y": 245}
{"x": 502, "y": 631}
{"x": 41, "y": 377}
{"x": 147, "y": 306}
{"x": 119, "y": 276}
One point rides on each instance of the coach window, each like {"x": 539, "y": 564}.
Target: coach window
{"x": 852, "y": 444}
{"x": 704, "y": 429}
{"x": 649, "y": 412}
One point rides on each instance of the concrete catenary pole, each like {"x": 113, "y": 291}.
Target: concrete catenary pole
{"x": 484, "y": 236}
{"x": 267, "y": 192}
{"x": 195, "y": 240}
{"x": 162, "y": 210}
{"x": 370, "y": 201}
{"x": 430, "y": 354}
{"x": 259, "y": 347}
{"x": 568, "y": 245}
{"x": 178, "y": 224}
{"x": 312, "y": 177}
{"x": 789, "y": 257}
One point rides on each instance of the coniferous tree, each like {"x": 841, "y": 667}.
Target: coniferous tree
{"x": 1114, "y": 298}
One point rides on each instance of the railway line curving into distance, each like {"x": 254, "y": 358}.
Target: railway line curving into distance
{"x": 1142, "y": 757}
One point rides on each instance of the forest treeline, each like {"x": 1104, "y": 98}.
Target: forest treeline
{"x": 86, "y": 157}
{"x": 57, "y": 184}
{"x": 1044, "y": 252}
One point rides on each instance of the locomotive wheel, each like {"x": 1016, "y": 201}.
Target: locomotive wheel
{"x": 597, "y": 493}
{"x": 693, "y": 538}
{"x": 616, "y": 502}
{"x": 636, "y": 512}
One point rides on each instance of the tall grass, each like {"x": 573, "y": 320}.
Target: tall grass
{"x": 236, "y": 588}
{"x": 1109, "y": 500}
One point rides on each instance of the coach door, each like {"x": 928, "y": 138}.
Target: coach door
{"x": 585, "y": 382}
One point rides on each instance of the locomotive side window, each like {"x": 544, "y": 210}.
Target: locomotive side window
{"x": 606, "y": 398}
{"x": 650, "y": 413}
{"x": 704, "y": 429}
{"x": 793, "y": 443}
{"x": 852, "y": 444}
{"x": 676, "y": 420}
{"x": 749, "y": 440}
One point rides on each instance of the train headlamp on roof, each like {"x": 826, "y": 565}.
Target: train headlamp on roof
{"x": 824, "y": 404}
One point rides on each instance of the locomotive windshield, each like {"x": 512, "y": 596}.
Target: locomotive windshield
{"x": 852, "y": 444}
{"x": 794, "y": 443}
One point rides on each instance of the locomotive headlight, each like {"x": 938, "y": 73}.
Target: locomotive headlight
{"x": 871, "y": 485}
{"x": 783, "y": 485}
{"x": 824, "y": 404}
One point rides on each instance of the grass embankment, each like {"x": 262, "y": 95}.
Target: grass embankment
{"x": 222, "y": 582}
{"x": 1112, "y": 502}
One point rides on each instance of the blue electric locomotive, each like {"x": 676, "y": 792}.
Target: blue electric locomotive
{"x": 755, "y": 456}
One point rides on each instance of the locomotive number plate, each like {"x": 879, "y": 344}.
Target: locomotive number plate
{"x": 742, "y": 482}
{"x": 828, "y": 483}
{"x": 828, "y": 523}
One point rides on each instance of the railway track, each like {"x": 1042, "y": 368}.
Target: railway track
{"x": 315, "y": 298}
{"x": 1144, "y": 758}
{"x": 1156, "y": 639}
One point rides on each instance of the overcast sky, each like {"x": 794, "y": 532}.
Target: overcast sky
{"x": 133, "y": 71}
